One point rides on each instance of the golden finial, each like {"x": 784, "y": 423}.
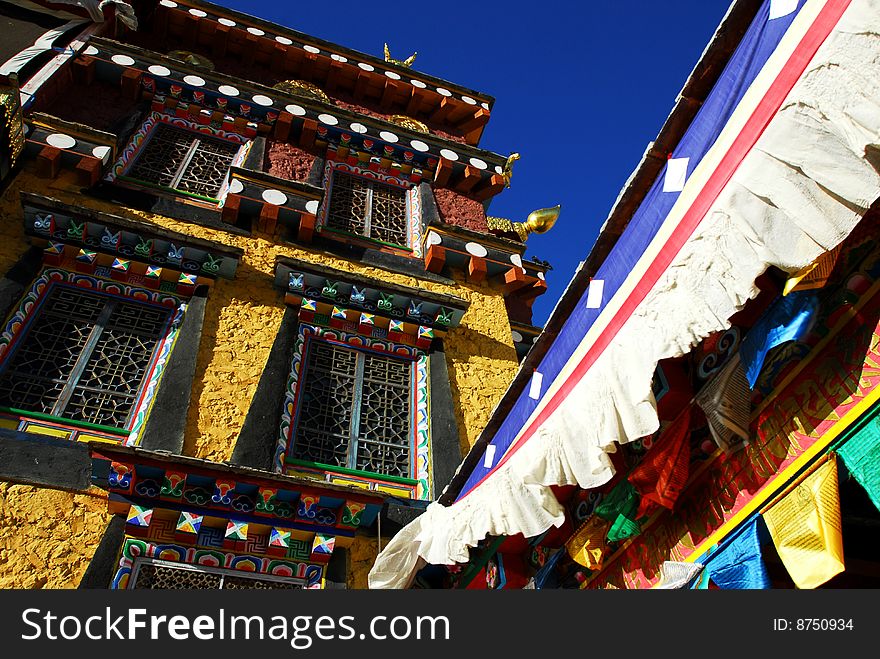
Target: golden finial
{"x": 539, "y": 221}
{"x": 507, "y": 172}
{"x": 408, "y": 62}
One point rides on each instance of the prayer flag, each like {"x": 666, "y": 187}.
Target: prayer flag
{"x": 725, "y": 400}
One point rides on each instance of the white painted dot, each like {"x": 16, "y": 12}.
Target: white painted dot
{"x": 168, "y": 3}
{"x": 338, "y": 58}
{"x": 122, "y": 60}
{"x": 61, "y": 141}
{"x": 101, "y": 152}
{"x": 157, "y": 70}
{"x": 479, "y": 164}
{"x": 434, "y": 238}
{"x": 449, "y": 155}
{"x": 259, "y": 99}
{"x": 296, "y": 110}
{"x": 91, "y": 50}
{"x": 257, "y": 32}
{"x": 418, "y": 83}
{"x": 195, "y": 81}
{"x": 443, "y": 91}
{"x": 388, "y": 137}
{"x": 498, "y": 169}
{"x": 418, "y": 145}
{"x": 366, "y": 67}
{"x": 284, "y": 41}
{"x": 392, "y": 75}
{"x": 535, "y": 340}
{"x": 274, "y": 197}
{"x": 236, "y": 186}
{"x": 197, "y": 12}
{"x": 517, "y": 337}
{"x": 516, "y": 259}
{"x": 312, "y": 206}
{"x": 541, "y": 276}
{"x": 227, "y": 90}
{"x": 328, "y": 119}
{"x": 469, "y": 100}
{"x": 476, "y": 249}
{"x": 484, "y": 105}
{"x": 358, "y": 128}
{"x": 227, "y": 22}
{"x": 311, "y": 49}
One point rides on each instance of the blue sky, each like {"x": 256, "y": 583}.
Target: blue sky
{"x": 580, "y": 88}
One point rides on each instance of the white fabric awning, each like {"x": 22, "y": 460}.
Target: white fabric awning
{"x": 792, "y": 172}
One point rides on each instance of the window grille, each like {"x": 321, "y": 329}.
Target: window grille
{"x": 184, "y": 160}
{"x": 84, "y": 357}
{"x": 167, "y": 576}
{"x": 355, "y": 410}
{"x": 368, "y": 208}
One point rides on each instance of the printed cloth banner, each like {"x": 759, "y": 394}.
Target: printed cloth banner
{"x": 663, "y": 472}
{"x": 619, "y": 507}
{"x": 738, "y": 565}
{"x": 788, "y": 319}
{"x": 587, "y": 546}
{"x": 546, "y": 577}
{"x": 814, "y": 275}
{"x": 861, "y": 455}
{"x": 725, "y": 400}
{"x": 805, "y": 527}
{"x": 674, "y": 574}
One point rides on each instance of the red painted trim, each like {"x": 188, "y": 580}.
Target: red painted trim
{"x": 825, "y": 22}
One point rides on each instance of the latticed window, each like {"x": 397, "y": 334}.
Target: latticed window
{"x": 84, "y": 357}
{"x": 167, "y": 576}
{"x": 184, "y": 160}
{"x": 368, "y": 208}
{"x": 355, "y": 410}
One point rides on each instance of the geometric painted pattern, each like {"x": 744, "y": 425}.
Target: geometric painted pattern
{"x": 189, "y": 522}
{"x": 139, "y": 515}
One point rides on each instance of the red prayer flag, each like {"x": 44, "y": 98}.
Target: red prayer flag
{"x": 663, "y": 472}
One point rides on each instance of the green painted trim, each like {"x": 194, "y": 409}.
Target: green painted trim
{"x": 365, "y": 239}
{"x": 146, "y": 184}
{"x": 351, "y": 472}
{"x": 61, "y": 420}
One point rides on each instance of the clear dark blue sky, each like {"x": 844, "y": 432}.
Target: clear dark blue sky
{"x": 580, "y": 88}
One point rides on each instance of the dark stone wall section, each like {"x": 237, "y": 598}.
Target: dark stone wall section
{"x": 103, "y": 566}
{"x": 166, "y": 424}
{"x": 44, "y": 461}
{"x": 256, "y": 442}
{"x": 18, "y": 279}
{"x": 445, "y": 449}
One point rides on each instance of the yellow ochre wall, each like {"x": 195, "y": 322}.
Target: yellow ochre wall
{"x": 241, "y": 320}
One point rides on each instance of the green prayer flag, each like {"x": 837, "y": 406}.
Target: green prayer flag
{"x": 622, "y": 500}
{"x": 861, "y": 455}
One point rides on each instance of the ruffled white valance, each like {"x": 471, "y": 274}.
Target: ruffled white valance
{"x": 799, "y": 191}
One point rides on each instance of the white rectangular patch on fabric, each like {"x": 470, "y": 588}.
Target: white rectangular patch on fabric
{"x": 780, "y": 8}
{"x": 535, "y": 385}
{"x": 594, "y": 293}
{"x": 676, "y": 174}
{"x": 489, "y": 458}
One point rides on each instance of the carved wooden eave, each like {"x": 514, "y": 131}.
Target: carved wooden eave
{"x": 329, "y": 65}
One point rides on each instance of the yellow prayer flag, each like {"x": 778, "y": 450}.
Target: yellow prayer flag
{"x": 814, "y": 275}
{"x": 587, "y": 546}
{"x": 805, "y": 527}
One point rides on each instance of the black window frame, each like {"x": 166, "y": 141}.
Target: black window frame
{"x": 62, "y": 403}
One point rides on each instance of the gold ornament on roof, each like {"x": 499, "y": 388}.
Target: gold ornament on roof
{"x": 507, "y": 172}
{"x": 192, "y": 59}
{"x": 408, "y": 122}
{"x": 302, "y": 88}
{"x": 539, "y": 221}
{"x": 408, "y": 62}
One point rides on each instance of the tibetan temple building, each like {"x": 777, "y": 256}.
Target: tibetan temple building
{"x": 702, "y": 409}
{"x": 255, "y": 310}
